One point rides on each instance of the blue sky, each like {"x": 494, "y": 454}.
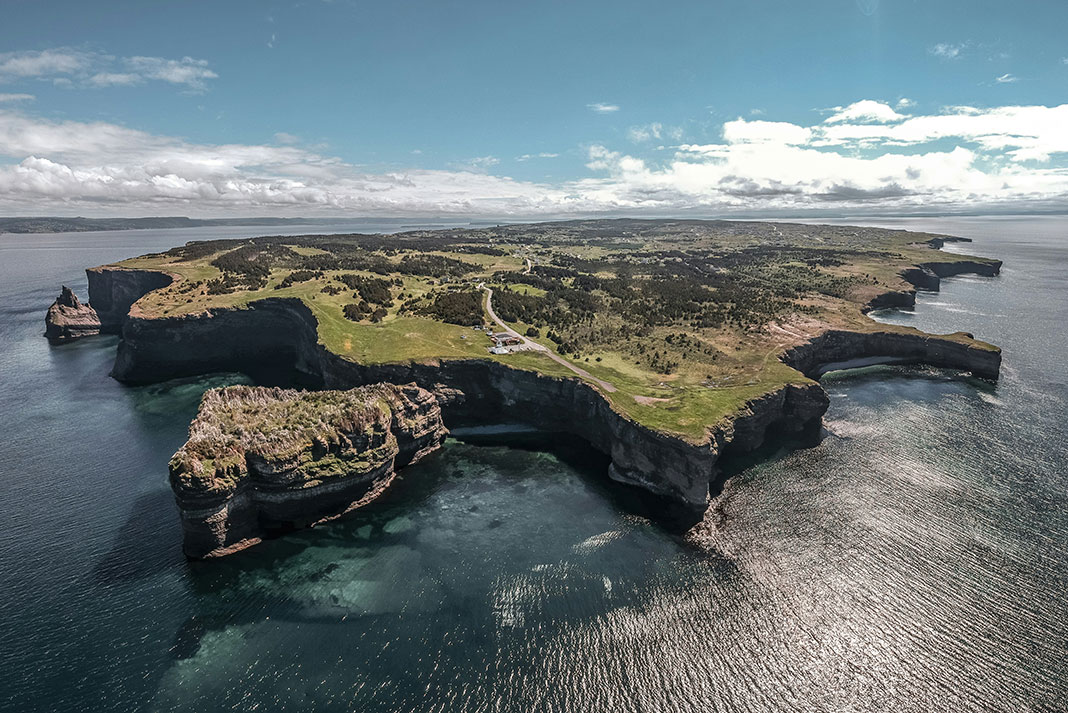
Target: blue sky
{"x": 532, "y": 109}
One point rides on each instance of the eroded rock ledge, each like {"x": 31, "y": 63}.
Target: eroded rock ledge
{"x": 928, "y": 276}
{"x": 839, "y": 349}
{"x": 261, "y": 460}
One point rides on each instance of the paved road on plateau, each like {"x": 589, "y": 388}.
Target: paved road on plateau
{"x": 534, "y": 346}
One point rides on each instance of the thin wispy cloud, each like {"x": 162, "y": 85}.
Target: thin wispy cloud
{"x": 529, "y": 156}
{"x": 480, "y": 164}
{"x": 654, "y": 130}
{"x": 43, "y": 63}
{"x": 639, "y": 134}
{"x": 1007, "y": 78}
{"x": 16, "y": 98}
{"x": 947, "y": 50}
{"x": 67, "y": 66}
{"x": 602, "y": 108}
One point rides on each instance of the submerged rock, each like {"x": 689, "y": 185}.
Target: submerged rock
{"x": 69, "y": 319}
{"x": 263, "y": 460}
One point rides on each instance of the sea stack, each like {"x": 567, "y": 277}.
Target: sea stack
{"x": 69, "y": 319}
{"x": 268, "y": 460}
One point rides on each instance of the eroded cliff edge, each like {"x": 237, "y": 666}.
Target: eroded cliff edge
{"x": 261, "y": 460}
{"x": 275, "y": 335}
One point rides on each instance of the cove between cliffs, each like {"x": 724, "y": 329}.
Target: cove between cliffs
{"x": 275, "y": 340}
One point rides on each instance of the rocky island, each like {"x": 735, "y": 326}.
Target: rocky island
{"x": 262, "y": 460}
{"x": 666, "y": 344}
{"x": 69, "y": 319}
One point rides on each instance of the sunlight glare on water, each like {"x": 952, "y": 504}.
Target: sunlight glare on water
{"x": 915, "y": 560}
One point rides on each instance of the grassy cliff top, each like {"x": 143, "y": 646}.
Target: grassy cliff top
{"x": 278, "y": 425}
{"x": 677, "y": 322}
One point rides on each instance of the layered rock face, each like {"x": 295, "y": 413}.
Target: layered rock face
{"x": 928, "y": 276}
{"x": 269, "y": 336}
{"x": 264, "y": 460}
{"x": 674, "y": 470}
{"x": 113, "y": 290}
{"x": 282, "y": 333}
{"x": 69, "y": 319}
{"x": 840, "y": 348}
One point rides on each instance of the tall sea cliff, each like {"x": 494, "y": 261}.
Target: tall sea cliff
{"x": 276, "y": 338}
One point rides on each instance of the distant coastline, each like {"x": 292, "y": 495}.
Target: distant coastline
{"x": 45, "y": 224}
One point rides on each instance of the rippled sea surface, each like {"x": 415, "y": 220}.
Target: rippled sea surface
{"x": 915, "y": 560}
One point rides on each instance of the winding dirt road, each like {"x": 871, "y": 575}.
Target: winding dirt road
{"x": 535, "y": 347}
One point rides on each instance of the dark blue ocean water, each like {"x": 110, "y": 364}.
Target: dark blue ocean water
{"x": 915, "y": 560}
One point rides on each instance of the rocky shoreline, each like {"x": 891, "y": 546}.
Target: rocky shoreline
{"x": 265, "y": 460}
{"x": 276, "y": 337}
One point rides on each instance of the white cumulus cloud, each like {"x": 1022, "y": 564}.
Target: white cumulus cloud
{"x": 962, "y": 158}
{"x": 866, "y": 111}
{"x": 602, "y": 108}
{"x": 773, "y": 132}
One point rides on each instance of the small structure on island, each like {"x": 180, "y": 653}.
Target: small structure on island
{"x": 504, "y": 339}
{"x": 498, "y": 350}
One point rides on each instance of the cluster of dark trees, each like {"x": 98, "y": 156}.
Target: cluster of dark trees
{"x": 741, "y": 289}
{"x": 481, "y": 250}
{"x": 559, "y": 307}
{"x": 345, "y": 257}
{"x": 359, "y": 311}
{"x": 463, "y": 307}
{"x": 372, "y": 289}
{"x": 233, "y": 281}
{"x": 254, "y": 259}
{"x": 423, "y": 241}
{"x": 299, "y": 276}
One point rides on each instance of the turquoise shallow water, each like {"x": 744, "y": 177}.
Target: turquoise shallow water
{"x": 915, "y": 560}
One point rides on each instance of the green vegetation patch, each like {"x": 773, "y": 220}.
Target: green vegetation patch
{"x": 686, "y": 320}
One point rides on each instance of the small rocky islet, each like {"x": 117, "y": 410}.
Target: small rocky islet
{"x": 69, "y": 319}
{"x": 261, "y": 460}
{"x": 716, "y": 300}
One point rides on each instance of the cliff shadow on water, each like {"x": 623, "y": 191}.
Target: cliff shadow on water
{"x": 589, "y": 462}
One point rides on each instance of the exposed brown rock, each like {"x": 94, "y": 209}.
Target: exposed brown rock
{"x": 69, "y": 319}
{"x": 262, "y": 460}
